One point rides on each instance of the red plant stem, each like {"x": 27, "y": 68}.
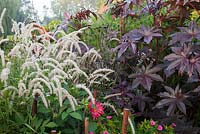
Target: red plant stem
{"x": 34, "y": 105}
{"x": 121, "y": 21}
{"x": 86, "y": 124}
{"x": 125, "y": 120}
{"x": 53, "y": 132}
{"x": 121, "y": 25}
{"x": 193, "y": 6}
{"x": 158, "y": 48}
{"x": 95, "y": 94}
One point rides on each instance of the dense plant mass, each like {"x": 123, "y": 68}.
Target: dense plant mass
{"x": 143, "y": 55}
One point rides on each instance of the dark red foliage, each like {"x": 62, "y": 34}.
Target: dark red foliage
{"x": 83, "y": 15}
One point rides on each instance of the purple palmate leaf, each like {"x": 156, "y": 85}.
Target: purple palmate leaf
{"x": 173, "y": 99}
{"x": 148, "y": 33}
{"x": 152, "y": 6}
{"x": 186, "y": 34}
{"x": 128, "y": 41}
{"x": 141, "y": 100}
{"x": 145, "y": 77}
{"x": 184, "y": 60}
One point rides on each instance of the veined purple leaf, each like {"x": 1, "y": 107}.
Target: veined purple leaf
{"x": 147, "y": 83}
{"x": 148, "y": 33}
{"x": 122, "y": 50}
{"x": 164, "y": 102}
{"x": 186, "y": 34}
{"x": 145, "y": 76}
{"x": 197, "y": 89}
{"x": 133, "y": 46}
{"x": 184, "y": 59}
{"x": 173, "y": 99}
{"x": 130, "y": 39}
{"x": 148, "y": 39}
{"x": 171, "y": 109}
{"x": 156, "y": 77}
{"x": 181, "y": 107}
{"x": 170, "y": 90}
{"x": 136, "y": 83}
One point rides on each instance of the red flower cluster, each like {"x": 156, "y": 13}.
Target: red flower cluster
{"x": 96, "y": 109}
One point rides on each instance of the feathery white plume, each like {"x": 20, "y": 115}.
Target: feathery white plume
{"x": 112, "y": 95}
{"x": 1, "y": 20}
{"x": 111, "y": 106}
{"x": 5, "y": 72}
{"x": 81, "y": 86}
{"x": 38, "y": 91}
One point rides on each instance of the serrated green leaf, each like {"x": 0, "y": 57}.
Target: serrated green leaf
{"x": 45, "y": 122}
{"x": 69, "y": 110}
{"x": 28, "y": 126}
{"x": 37, "y": 123}
{"x": 51, "y": 125}
{"x": 76, "y": 115}
{"x": 92, "y": 126}
{"x": 68, "y": 131}
{"x": 64, "y": 115}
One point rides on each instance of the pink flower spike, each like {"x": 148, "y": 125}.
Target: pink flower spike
{"x": 105, "y": 132}
{"x": 152, "y": 123}
{"x": 108, "y": 117}
{"x": 160, "y": 127}
{"x": 91, "y": 132}
{"x": 173, "y": 125}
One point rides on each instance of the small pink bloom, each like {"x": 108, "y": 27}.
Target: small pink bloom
{"x": 152, "y": 123}
{"x": 113, "y": 16}
{"x": 160, "y": 127}
{"x": 91, "y": 132}
{"x": 108, "y": 117}
{"x": 105, "y": 132}
{"x": 173, "y": 125}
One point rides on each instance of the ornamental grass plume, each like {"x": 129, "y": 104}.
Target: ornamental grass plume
{"x": 1, "y": 20}
{"x": 4, "y": 74}
{"x": 48, "y": 65}
{"x": 106, "y": 104}
{"x": 2, "y": 58}
{"x": 96, "y": 109}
